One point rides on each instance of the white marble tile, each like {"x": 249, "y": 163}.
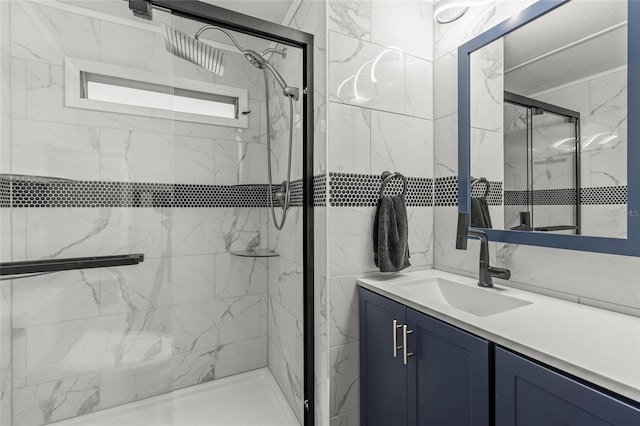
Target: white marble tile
{"x": 241, "y": 356}
{"x": 446, "y": 146}
{"x": 14, "y": 366}
{"x": 71, "y": 348}
{"x": 128, "y": 383}
{"x": 349, "y": 138}
{"x": 52, "y": 149}
{"x": 133, "y": 288}
{"x": 419, "y": 83}
{"x": 194, "y": 367}
{"x": 283, "y": 329}
{"x": 344, "y": 378}
{"x": 53, "y": 401}
{"x": 133, "y": 48}
{"x": 286, "y": 285}
{"x": 196, "y": 231}
{"x": 407, "y": 25}
{"x": 353, "y": 78}
{"x": 133, "y": 231}
{"x": 352, "y": 18}
{"x": 445, "y": 85}
{"x": 81, "y": 235}
{"x": 401, "y": 143}
{"x": 420, "y": 235}
{"x": 214, "y": 230}
{"x": 192, "y": 279}
{"x": 444, "y": 243}
{"x": 604, "y": 220}
{"x": 57, "y": 297}
{"x": 287, "y": 378}
{"x": 252, "y": 163}
{"x": 575, "y": 97}
{"x": 350, "y": 243}
{"x": 559, "y": 273}
{"x": 44, "y": 34}
{"x": 18, "y": 91}
{"x": 487, "y": 154}
{"x": 211, "y": 323}
{"x": 608, "y": 93}
{"x": 193, "y": 161}
{"x": 343, "y": 310}
{"x": 448, "y": 37}
{"x": 136, "y": 156}
{"x": 351, "y": 418}
{"x": 239, "y": 276}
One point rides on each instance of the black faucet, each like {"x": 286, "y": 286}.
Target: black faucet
{"x": 486, "y": 271}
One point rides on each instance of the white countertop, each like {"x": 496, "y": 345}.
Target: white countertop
{"x": 597, "y": 345}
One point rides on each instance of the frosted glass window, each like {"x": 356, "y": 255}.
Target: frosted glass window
{"x": 137, "y": 93}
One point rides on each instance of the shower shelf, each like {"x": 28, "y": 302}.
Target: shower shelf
{"x": 55, "y": 265}
{"x": 256, "y": 253}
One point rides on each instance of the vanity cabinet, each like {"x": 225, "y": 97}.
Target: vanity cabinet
{"x": 417, "y": 370}
{"x": 529, "y": 394}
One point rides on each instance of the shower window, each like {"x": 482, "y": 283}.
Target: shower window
{"x": 116, "y": 89}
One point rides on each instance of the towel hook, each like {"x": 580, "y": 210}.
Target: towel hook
{"x": 486, "y": 184}
{"x": 387, "y": 176}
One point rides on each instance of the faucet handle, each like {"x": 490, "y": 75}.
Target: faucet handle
{"x": 501, "y": 273}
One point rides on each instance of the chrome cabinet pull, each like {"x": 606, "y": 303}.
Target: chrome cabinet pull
{"x": 396, "y": 326}
{"x": 405, "y": 354}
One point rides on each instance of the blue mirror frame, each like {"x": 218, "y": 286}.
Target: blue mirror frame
{"x": 629, "y": 246}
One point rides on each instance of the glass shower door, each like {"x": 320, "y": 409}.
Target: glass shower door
{"x": 554, "y": 181}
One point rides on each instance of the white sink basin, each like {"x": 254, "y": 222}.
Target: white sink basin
{"x": 474, "y": 300}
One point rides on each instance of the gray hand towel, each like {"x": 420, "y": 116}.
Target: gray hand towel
{"x": 391, "y": 234}
{"x": 480, "y": 217}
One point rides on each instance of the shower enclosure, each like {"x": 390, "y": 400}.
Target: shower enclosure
{"x": 155, "y": 171}
{"x": 541, "y": 166}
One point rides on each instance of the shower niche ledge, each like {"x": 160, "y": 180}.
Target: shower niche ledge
{"x": 255, "y": 253}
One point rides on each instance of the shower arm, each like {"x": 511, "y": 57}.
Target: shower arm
{"x": 292, "y": 92}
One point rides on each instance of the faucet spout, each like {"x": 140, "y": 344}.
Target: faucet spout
{"x": 485, "y": 271}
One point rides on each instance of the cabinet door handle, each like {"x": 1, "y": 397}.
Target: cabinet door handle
{"x": 396, "y": 326}
{"x": 405, "y": 354}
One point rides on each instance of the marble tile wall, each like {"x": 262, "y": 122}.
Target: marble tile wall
{"x": 286, "y": 281}
{"x": 191, "y": 312}
{"x": 6, "y": 391}
{"x": 596, "y": 279}
{"x": 380, "y": 117}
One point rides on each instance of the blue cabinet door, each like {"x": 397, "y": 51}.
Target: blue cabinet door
{"x": 529, "y": 394}
{"x": 448, "y": 374}
{"x": 383, "y": 377}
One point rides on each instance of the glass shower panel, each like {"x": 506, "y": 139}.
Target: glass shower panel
{"x": 553, "y": 176}
{"x": 89, "y": 179}
{"x": 516, "y": 165}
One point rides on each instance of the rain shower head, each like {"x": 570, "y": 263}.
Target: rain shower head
{"x": 193, "y": 50}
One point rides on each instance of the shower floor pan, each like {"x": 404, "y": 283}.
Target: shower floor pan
{"x": 247, "y": 399}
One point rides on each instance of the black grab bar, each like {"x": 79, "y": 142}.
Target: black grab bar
{"x": 55, "y": 265}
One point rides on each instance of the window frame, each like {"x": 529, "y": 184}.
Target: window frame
{"x": 74, "y": 87}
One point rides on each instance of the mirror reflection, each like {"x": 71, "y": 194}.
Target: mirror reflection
{"x": 548, "y": 124}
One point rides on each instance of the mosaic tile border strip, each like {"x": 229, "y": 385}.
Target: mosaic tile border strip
{"x": 28, "y": 193}
{"x": 446, "y": 192}
{"x": 360, "y": 190}
{"x": 604, "y": 195}
{"x": 320, "y": 190}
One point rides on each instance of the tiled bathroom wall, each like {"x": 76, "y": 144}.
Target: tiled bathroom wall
{"x": 5, "y": 219}
{"x": 596, "y": 279}
{"x": 191, "y": 312}
{"x": 380, "y": 117}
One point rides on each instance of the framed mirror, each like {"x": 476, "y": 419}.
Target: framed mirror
{"x": 546, "y": 153}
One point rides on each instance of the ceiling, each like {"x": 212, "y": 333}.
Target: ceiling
{"x": 530, "y": 69}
